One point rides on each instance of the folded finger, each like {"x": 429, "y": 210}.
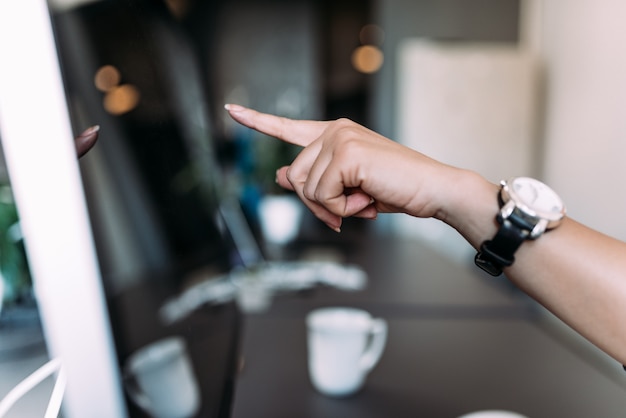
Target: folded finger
{"x": 281, "y": 178}
{"x": 370, "y": 212}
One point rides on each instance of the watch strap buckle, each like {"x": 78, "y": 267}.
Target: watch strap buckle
{"x": 490, "y": 261}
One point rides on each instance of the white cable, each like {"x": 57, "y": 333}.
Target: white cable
{"x": 30, "y": 382}
{"x": 56, "y": 398}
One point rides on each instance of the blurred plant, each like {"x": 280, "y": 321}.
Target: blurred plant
{"x": 270, "y": 155}
{"x": 256, "y": 159}
{"x": 13, "y": 265}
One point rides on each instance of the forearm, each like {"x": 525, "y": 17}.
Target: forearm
{"x": 577, "y": 273}
{"x": 580, "y": 275}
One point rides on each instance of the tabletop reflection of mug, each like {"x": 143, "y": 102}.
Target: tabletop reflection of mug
{"x": 344, "y": 345}
{"x": 159, "y": 378}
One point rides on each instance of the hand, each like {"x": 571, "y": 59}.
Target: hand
{"x": 86, "y": 140}
{"x": 346, "y": 169}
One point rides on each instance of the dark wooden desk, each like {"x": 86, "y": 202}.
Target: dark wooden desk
{"x": 458, "y": 342}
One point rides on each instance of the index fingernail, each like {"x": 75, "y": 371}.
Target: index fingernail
{"x": 233, "y": 107}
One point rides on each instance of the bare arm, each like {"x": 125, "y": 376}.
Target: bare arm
{"x": 580, "y": 275}
{"x": 577, "y": 273}
{"x": 347, "y": 170}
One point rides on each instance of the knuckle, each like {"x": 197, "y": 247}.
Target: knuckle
{"x": 346, "y": 132}
{"x": 310, "y": 192}
{"x": 289, "y": 173}
{"x": 345, "y": 129}
{"x": 292, "y": 178}
{"x": 293, "y": 175}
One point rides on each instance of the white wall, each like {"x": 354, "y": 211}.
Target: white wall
{"x": 580, "y": 141}
{"x": 584, "y": 47}
{"x": 471, "y": 105}
{"x": 458, "y": 20}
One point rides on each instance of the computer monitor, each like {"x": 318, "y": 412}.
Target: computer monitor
{"x": 137, "y": 222}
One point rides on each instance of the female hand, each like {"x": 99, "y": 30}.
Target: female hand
{"x": 346, "y": 170}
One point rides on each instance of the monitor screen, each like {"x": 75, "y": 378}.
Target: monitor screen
{"x": 152, "y": 182}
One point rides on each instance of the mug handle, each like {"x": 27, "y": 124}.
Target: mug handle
{"x": 378, "y": 339}
{"x": 136, "y": 394}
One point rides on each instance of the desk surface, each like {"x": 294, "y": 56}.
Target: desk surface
{"x": 430, "y": 368}
{"x": 458, "y": 342}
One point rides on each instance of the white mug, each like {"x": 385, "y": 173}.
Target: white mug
{"x": 159, "y": 378}
{"x": 493, "y": 413}
{"x": 344, "y": 345}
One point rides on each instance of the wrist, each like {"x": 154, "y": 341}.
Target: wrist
{"x": 472, "y": 208}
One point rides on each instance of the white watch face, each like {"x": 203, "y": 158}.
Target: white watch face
{"x": 536, "y": 197}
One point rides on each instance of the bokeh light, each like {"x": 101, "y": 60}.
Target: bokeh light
{"x": 107, "y": 77}
{"x": 121, "y": 99}
{"x": 367, "y": 59}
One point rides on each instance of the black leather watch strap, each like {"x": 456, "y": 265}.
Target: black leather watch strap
{"x": 498, "y": 252}
{"x": 518, "y": 222}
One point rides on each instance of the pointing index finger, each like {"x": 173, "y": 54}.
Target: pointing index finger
{"x": 297, "y": 132}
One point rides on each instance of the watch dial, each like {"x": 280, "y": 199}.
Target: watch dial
{"x": 536, "y": 196}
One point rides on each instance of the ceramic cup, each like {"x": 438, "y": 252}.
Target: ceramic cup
{"x": 344, "y": 344}
{"x": 159, "y": 378}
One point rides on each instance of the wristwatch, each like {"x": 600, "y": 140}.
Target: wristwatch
{"x": 528, "y": 208}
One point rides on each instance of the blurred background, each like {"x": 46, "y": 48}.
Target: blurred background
{"x": 503, "y": 87}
